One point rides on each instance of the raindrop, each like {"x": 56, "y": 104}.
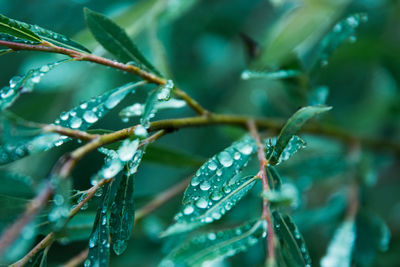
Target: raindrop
{"x": 140, "y": 131}
{"x": 246, "y": 149}
{"x": 236, "y": 156}
{"x": 83, "y": 105}
{"x": 188, "y": 210}
{"x": 212, "y": 236}
{"x": 219, "y": 172}
{"x": 216, "y": 195}
{"x": 225, "y": 159}
{"x": 75, "y": 122}
{"x": 205, "y": 186}
{"x": 90, "y": 117}
{"x": 14, "y": 81}
{"x": 195, "y": 181}
{"x": 64, "y": 116}
{"x": 201, "y": 203}
{"x": 212, "y": 165}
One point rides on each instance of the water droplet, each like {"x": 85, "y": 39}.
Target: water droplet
{"x": 14, "y": 81}
{"x": 216, "y": 215}
{"x": 236, "y": 156}
{"x": 58, "y": 200}
{"x": 83, "y": 105}
{"x": 195, "y": 181}
{"x": 337, "y": 28}
{"x": 212, "y": 165}
{"x": 75, "y": 122}
{"x": 352, "y": 39}
{"x": 352, "y": 21}
{"x": 227, "y": 189}
{"x": 90, "y": 117}
{"x": 140, "y": 131}
{"x": 87, "y": 263}
{"x": 35, "y": 79}
{"x": 128, "y": 149}
{"x": 45, "y": 68}
{"x": 225, "y": 159}
{"x": 205, "y": 186}
{"x": 212, "y": 236}
{"x": 64, "y": 116}
{"x": 219, "y": 172}
{"x": 216, "y": 195}
{"x": 245, "y": 149}
{"x": 188, "y": 210}
{"x": 201, "y": 203}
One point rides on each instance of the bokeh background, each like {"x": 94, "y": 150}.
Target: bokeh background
{"x": 199, "y": 44}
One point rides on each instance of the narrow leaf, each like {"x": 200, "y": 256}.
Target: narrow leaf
{"x": 213, "y": 245}
{"x": 99, "y": 244}
{"x": 122, "y": 214}
{"x": 57, "y": 38}
{"x": 17, "y": 29}
{"x": 213, "y": 190}
{"x": 291, "y": 127}
{"x": 341, "y": 246}
{"x": 137, "y": 109}
{"x": 23, "y": 84}
{"x": 294, "y": 145}
{"x": 115, "y": 39}
{"x": 292, "y": 248}
{"x": 157, "y": 96}
{"x": 61, "y": 201}
{"x": 80, "y": 118}
{"x": 270, "y": 75}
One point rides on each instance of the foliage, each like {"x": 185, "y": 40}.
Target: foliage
{"x": 302, "y": 180}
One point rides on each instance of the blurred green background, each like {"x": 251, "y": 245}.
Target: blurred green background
{"x": 199, "y": 45}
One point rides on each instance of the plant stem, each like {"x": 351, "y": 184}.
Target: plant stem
{"x": 266, "y": 214}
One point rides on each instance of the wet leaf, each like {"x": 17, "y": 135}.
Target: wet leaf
{"x": 290, "y": 129}
{"x": 23, "y": 84}
{"x": 17, "y": 29}
{"x": 342, "y": 31}
{"x": 292, "y": 248}
{"x": 212, "y": 245}
{"x": 271, "y": 75}
{"x": 373, "y": 236}
{"x": 115, "y": 39}
{"x": 157, "y": 96}
{"x": 294, "y": 145}
{"x": 214, "y": 190}
{"x": 341, "y": 246}
{"x": 137, "y": 109}
{"x": 61, "y": 201}
{"x": 80, "y": 118}
{"x": 164, "y": 155}
{"x": 122, "y": 214}
{"x": 99, "y": 243}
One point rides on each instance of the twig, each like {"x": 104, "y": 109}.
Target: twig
{"x": 78, "y": 259}
{"x": 262, "y": 174}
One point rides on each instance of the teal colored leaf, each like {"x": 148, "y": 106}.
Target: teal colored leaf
{"x": 115, "y": 39}
{"x": 28, "y": 141}
{"x": 116, "y": 160}
{"x": 342, "y": 31}
{"x": 274, "y": 180}
{"x": 341, "y": 246}
{"x": 292, "y": 248}
{"x": 122, "y": 214}
{"x": 17, "y": 29}
{"x": 294, "y": 145}
{"x": 168, "y": 156}
{"x": 159, "y": 95}
{"x": 137, "y": 109}
{"x": 291, "y": 128}
{"x": 23, "y": 84}
{"x": 270, "y": 75}
{"x": 287, "y": 195}
{"x": 213, "y": 245}
{"x": 61, "y": 201}
{"x": 99, "y": 244}
{"x": 372, "y": 236}
{"x": 16, "y": 185}
{"x": 214, "y": 189}
{"x": 57, "y": 39}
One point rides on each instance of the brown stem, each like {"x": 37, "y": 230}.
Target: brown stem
{"x": 262, "y": 174}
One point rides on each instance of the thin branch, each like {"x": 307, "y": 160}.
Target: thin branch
{"x": 262, "y": 174}
{"x": 78, "y": 259}
{"x": 191, "y": 102}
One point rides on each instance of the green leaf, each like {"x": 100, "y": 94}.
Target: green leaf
{"x": 115, "y": 39}
{"x": 287, "y": 195}
{"x": 40, "y": 259}
{"x": 291, "y": 128}
{"x": 99, "y": 245}
{"x": 24, "y": 84}
{"x": 122, "y": 214}
{"x": 137, "y": 109}
{"x": 81, "y": 117}
{"x": 61, "y": 201}
{"x": 5, "y": 51}
{"x": 270, "y": 75}
{"x": 342, "y": 31}
{"x": 159, "y": 95}
{"x": 17, "y": 29}
{"x": 213, "y": 245}
{"x": 294, "y": 145}
{"x": 161, "y": 154}
{"x": 115, "y": 160}
{"x": 373, "y": 236}
{"x": 341, "y": 246}
{"x": 214, "y": 190}
{"x": 292, "y": 248}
